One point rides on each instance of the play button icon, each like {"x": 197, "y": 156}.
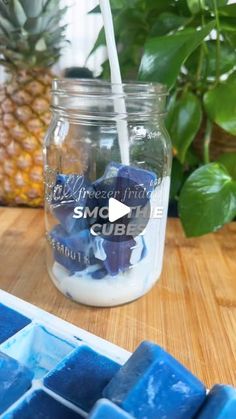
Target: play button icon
{"x": 117, "y": 210}
{"x": 122, "y": 209}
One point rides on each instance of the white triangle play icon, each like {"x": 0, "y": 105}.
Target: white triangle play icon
{"x": 117, "y": 210}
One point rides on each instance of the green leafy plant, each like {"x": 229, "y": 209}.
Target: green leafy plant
{"x": 190, "y": 46}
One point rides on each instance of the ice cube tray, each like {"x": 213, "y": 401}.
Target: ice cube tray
{"x": 50, "y": 359}
{"x": 51, "y": 369}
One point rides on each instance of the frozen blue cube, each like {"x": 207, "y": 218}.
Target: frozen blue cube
{"x": 153, "y": 384}
{"x": 72, "y": 191}
{"x": 65, "y": 215}
{"x": 220, "y": 403}
{"x": 40, "y": 405}
{"x": 119, "y": 178}
{"x": 11, "y": 322}
{"x": 144, "y": 178}
{"x": 118, "y": 256}
{"x": 81, "y": 377}
{"x": 104, "y": 409}
{"x": 73, "y": 251}
{"x": 115, "y": 255}
{"x": 15, "y": 380}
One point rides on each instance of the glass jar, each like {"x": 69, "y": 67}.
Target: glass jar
{"x": 106, "y": 217}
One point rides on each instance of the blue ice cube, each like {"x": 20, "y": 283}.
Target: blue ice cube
{"x": 220, "y": 403}
{"x": 145, "y": 178}
{"x": 15, "y": 380}
{"x": 40, "y": 405}
{"x": 65, "y": 215}
{"x": 73, "y": 251}
{"x": 81, "y": 377}
{"x": 118, "y": 256}
{"x": 10, "y": 322}
{"x": 104, "y": 409}
{"x": 153, "y": 384}
{"x": 119, "y": 178}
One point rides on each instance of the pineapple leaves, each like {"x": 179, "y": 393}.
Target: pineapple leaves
{"x": 5, "y": 25}
{"x": 17, "y": 12}
{"x": 34, "y": 25}
{"x": 45, "y": 21}
{"x": 31, "y": 33}
{"x": 32, "y": 8}
{"x": 4, "y": 12}
{"x": 53, "y": 38}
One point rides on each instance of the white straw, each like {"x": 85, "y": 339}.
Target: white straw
{"x": 117, "y": 88}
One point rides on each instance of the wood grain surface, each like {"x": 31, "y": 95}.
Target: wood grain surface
{"x": 191, "y": 311}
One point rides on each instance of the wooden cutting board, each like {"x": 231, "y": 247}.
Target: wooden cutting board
{"x": 191, "y": 311}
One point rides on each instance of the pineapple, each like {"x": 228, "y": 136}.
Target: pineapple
{"x": 30, "y": 42}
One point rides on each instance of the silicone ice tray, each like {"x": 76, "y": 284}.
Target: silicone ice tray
{"x": 42, "y": 351}
{"x": 50, "y": 369}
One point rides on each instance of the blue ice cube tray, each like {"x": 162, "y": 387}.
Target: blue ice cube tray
{"x": 52, "y": 369}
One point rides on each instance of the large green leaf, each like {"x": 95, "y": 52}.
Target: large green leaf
{"x": 207, "y": 200}
{"x": 183, "y": 122}
{"x": 220, "y": 104}
{"x": 209, "y": 65}
{"x": 229, "y": 162}
{"x": 163, "y": 56}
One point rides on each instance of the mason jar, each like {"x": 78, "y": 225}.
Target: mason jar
{"x": 107, "y": 179}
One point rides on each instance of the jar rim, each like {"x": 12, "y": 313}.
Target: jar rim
{"x": 97, "y": 88}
